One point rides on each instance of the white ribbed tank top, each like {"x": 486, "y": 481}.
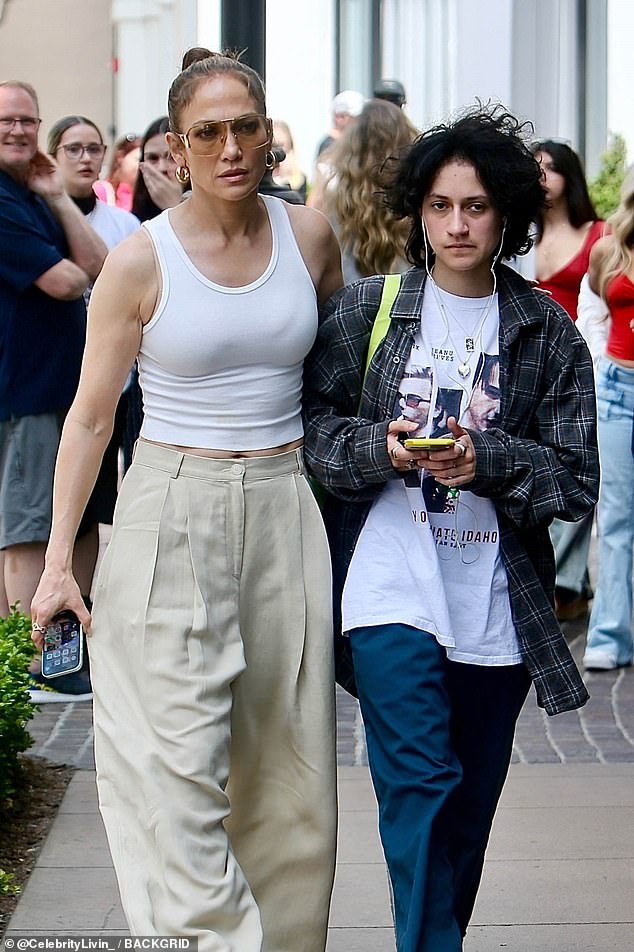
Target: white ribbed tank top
{"x": 221, "y": 367}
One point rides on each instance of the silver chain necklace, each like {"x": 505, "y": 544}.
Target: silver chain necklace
{"x": 464, "y": 364}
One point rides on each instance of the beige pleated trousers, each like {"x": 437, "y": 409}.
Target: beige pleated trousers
{"x": 211, "y": 661}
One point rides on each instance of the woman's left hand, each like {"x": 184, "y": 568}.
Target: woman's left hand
{"x": 454, "y": 466}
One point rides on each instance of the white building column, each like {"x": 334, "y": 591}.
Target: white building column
{"x": 150, "y": 39}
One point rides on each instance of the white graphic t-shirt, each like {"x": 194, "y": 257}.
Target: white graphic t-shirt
{"x": 428, "y": 556}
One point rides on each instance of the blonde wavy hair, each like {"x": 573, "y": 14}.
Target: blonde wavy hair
{"x": 357, "y": 169}
{"x": 621, "y": 230}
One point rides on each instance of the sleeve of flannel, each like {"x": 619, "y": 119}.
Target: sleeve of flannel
{"x": 344, "y": 452}
{"x": 555, "y": 473}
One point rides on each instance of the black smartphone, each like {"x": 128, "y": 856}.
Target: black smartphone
{"x": 63, "y": 645}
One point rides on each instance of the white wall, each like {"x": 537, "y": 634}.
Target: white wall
{"x": 483, "y": 55}
{"x": 151, "y": 36}
{"x": 621, "y": 70}
{"x": 300, "y": 66}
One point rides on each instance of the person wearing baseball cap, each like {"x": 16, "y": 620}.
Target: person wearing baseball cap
{"x": 392, "y": 90}
{"x": 345, "y": 108}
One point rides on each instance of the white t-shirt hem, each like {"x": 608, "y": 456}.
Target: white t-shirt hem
{"x": 486, "y": 661}
{"x": 423, "y": 624}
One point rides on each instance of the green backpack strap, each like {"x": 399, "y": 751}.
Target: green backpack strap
{"x": 391, "y": 286}
{"x": 381, "y": 325}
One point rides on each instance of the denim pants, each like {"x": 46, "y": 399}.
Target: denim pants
{"x": 610, "y": 627}
{"x": 440, "y": 737}
{"x": 571, "y": 542}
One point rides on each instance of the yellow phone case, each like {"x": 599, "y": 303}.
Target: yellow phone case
{"x": 428, "y": 443}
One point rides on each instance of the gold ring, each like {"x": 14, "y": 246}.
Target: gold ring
{"x": 393, "y": 453}
{"x": 40, "y": 628}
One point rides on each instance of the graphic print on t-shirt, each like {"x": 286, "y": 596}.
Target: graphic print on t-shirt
{"x": 483, "y": 410}
{"x": 462, "y": 361}
{"x": 429, "y": 557}
{"x": 413, "y": 400}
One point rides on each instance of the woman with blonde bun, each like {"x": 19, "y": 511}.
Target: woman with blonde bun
{"x": 211, "y": 632}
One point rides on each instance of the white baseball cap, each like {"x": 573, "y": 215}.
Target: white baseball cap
{"x": 348, "y": 103}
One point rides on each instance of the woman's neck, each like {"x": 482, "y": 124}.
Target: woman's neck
{"x": 85, "y": 203}
{"x": 464, "y": 283}
{"x": 556, "y": 215}
{"x": 223, "y": 218}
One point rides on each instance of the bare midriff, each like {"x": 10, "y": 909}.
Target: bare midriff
{"x": 228, "y": 454}
{"x": 628, "y": 364}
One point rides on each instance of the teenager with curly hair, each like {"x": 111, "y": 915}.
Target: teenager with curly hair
{"x": 611, "y": 274}
{"x": 445, "y": 554}
{"x": 372, "y": 238}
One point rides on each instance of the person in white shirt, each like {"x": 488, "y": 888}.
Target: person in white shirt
{"x": 442, "y": 564}
{"x": 211, "y": 648}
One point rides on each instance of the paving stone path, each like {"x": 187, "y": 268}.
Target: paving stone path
{"x": 601, "y": 732}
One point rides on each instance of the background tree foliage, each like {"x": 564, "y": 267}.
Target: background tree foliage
{"x": 606, "y": 187}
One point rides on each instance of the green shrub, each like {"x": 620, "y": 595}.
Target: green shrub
{"x": 605, "y": 189}
{"x": 16, "y": 650}
{"x": 8, "y": 887}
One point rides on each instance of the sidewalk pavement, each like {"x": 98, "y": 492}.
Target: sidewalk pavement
{"x": 560, "y": 865}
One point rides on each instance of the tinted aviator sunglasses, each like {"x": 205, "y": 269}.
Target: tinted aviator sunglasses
{"x": 208, "y": 136}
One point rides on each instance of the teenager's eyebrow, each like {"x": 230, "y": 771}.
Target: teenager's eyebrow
{"x": 469, "y": 198}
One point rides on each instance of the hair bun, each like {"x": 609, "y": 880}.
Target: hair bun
{"x": 195, "y": 55}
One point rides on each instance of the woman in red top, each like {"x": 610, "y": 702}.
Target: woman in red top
{"x": 611, "y": 274}
{"x": 566, "y": 231}
{"x": 567, "y": 228}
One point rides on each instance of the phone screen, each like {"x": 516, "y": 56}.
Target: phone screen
{"x": 62, "y": 652}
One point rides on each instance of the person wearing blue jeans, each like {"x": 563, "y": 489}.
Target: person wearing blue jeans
{"x": 611, "y": 274}
{"x": 609, "y": 642}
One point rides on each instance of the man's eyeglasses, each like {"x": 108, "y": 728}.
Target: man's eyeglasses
{"x": 414, "y": 399}
{"x": 28, "y": 123}
{"x": 208, "y": 136}
{"x": 75, "y": 150}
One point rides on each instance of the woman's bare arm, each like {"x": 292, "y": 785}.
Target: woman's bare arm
{"x": 123, "y": 299}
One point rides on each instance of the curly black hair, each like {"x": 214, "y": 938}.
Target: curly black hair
{"x": 493, "y": 141}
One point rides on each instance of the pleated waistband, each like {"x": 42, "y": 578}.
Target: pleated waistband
{"x": 243, "y": 468}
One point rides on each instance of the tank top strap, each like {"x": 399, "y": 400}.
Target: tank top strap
{"x": 161, "y": 235}
{"x": 281, "y": 226}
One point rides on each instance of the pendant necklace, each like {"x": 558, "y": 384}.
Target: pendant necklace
{"x": 464, "y": 365}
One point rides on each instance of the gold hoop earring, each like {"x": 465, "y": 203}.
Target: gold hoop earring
{"x": 269, "y": 160}
{"x": 182, "y": 174}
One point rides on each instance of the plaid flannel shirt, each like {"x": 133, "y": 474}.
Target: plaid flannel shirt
{"x": 540, "y": 463}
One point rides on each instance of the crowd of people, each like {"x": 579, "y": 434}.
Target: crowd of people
{"x": 243, "y": 335}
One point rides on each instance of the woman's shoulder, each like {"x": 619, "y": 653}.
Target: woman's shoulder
{"x": 601, "y": 248}
{"x": 359, "y": 300}
{"x": 307, "y": 222}
{"x": 132, "y": 258}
